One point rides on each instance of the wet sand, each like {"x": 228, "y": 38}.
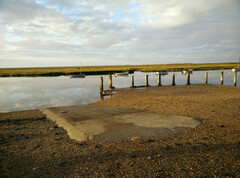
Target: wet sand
{"x": 33, "y": 146}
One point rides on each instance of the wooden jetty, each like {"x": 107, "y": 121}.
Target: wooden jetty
{"x": 111, "y": 90}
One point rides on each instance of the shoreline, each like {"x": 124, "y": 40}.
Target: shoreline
{"x": 28, "y": 138}
{"x": 140, "y": 87}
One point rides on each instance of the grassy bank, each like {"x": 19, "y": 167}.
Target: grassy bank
{"x": 95, "y": 70}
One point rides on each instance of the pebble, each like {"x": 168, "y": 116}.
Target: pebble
{"x": 134, "y": 138}
{"x": 35, "y": 168}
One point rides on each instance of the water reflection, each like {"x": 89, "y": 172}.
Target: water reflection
{"x": 29, "y": 93}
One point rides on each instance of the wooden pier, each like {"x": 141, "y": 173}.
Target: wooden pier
{"x": 111, "y": 89}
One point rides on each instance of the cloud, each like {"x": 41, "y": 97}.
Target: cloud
{"x": 104, "y": 41}
{"x": 14, "y": 11}
{"x": 99, "y": 32}
{"x": 172, "y": 13}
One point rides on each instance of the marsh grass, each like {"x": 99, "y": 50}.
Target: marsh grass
{"x": 96, "y": 70}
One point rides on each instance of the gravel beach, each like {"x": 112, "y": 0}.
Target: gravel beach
{"x": 33, "y": 146}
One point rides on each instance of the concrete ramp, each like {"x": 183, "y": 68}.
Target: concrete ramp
{"x": 101, "y": 123}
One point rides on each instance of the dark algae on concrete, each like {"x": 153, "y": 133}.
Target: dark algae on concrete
{"x": 33, "y": 146}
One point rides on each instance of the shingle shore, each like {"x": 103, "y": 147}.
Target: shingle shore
{"x": 32, "y": 145}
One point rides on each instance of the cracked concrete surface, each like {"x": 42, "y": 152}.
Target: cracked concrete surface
{"x": 102, "y": 123}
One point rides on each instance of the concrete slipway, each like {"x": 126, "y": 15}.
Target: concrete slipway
{"x": 100, "y": 123}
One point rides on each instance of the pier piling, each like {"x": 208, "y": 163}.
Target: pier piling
{"x": 110, "y": 81}
{"x": 188, "y": 79}
{"x": 146, "y": 80}
{"x": 159, "y": 80}
{"x": 173, "y": 79}
{"x": 235, "y": 78}
{"x": 206, "y": 78}
{"x": 132, "y": 81}
{"x": 101, "y": 84}
{"x": 222, "y": 78}
{"x": 101, "y": 88}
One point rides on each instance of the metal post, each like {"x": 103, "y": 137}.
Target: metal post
{"x": 132, "y": 81}
{"x": 173, "y": 79}
{"x": 222, "y": 78}
{"x": 146, "y": 80}
{"x": 188, "y": 79}
{"x": 159, "y": 80}
{"x": 235, "y": 78}
{"x": 206, "y": 78}
{"x": 110, "y": 81}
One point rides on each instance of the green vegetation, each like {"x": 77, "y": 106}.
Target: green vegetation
{"x": 95, "y": 70}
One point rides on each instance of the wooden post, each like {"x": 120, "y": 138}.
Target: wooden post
{"x": 222, "y": 78}
{"x": 146, "y": 80}
{"x": 101, "y": 84}
{"x": 188, "y": 79}
{"x": 101, "y": 96}
{"x": 206, "y": 78}
{"x": 159, "y": 80}
{"x": 132, "y": 81}
{"x": 101, "y": 88}
{"x": 173, "y": 79}
{"x": 110, "y": 81}
{"x": 235, "y": 78}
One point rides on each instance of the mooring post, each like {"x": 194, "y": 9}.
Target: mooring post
{"x": 173, "y": 79}
{"x": 235, "y": 78}
{"x": 159, "y": 80}
{"x": 206, "y": 78}
{"x": 101, "y": 96}
{"x": 132, "y": 81}
{"x": 188, "y": 79}
{"x": 222, "y": 78}
{"x": 110, "y": 81}
{"x": 146, "y": 80}
{"x": 101, "y": 88}
{"x": 101, "y": 84}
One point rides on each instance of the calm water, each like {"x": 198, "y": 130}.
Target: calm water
{"x": 30, "y": 93}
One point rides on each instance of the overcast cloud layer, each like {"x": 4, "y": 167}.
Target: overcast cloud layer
{"x": 110, "y": 32}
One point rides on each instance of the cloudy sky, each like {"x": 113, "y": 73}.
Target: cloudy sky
{"x": 112, "y": 32}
